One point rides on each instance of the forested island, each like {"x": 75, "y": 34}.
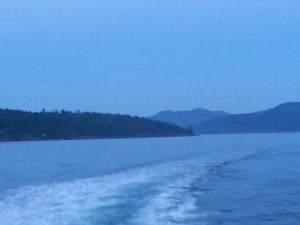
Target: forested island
{"x": 17, "y": 125}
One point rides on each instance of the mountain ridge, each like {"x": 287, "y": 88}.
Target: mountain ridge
{"x": 281, "y": 118}
{"x": 187, "y": 118}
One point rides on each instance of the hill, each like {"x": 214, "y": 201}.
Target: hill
{"x": 18, "y": 125}
{"x": 283, "y": 118}
{"x": 187, "y": 118}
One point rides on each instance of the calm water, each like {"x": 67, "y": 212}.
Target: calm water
{"x": 224, "y": 180}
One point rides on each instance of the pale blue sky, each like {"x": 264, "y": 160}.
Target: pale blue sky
{"x": 143, "y": 56}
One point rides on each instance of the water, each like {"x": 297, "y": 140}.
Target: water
{"x": 217, "y": 180}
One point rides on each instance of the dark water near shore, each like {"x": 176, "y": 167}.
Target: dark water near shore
{"x": 218, "y": 179}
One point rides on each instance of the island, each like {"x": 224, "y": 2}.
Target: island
{"x": 18, "y": 125}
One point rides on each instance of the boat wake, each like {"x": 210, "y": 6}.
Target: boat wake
{"x": 163, "y": 193}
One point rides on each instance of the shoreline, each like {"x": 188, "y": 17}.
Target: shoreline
{"x": 90, "y": 138}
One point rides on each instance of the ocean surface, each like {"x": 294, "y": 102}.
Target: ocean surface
{"x": 206, "y": 180}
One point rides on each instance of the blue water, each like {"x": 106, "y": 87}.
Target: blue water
{"x": 217, "y": 180}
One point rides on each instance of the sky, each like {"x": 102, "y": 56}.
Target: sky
{"x": 140, "y": 57}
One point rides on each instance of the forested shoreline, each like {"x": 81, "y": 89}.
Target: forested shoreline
{"x": 18, "y": 125}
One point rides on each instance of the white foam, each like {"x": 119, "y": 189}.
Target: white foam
{"x": 62, "y": 203}
{"x": 174, "y": 203}
{"x": 73, "y": 203}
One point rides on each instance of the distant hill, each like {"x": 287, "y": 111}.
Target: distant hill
{"x": 187, "y": 118}
{"x": 283, "y": 118}
{"x": 18, "y": 125}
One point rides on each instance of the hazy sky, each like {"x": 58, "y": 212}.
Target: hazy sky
{"x": 143, "y": 56}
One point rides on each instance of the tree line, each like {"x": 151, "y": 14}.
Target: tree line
{"x": 18, "y": 125}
